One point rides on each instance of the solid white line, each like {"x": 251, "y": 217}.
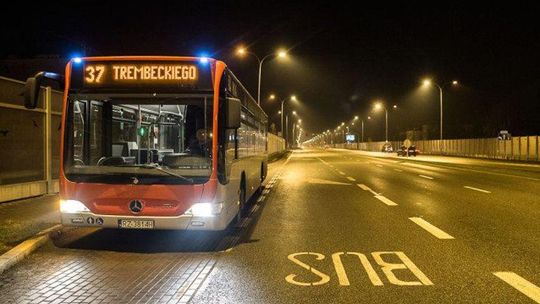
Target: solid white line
{"x": 425, "y": 176}
{"x": 438, "y": 233}
{"x": 477, "y": 189}
{"x": 527, "y": 288}
{"x": 351, "y": 179}
{"x": 398, "y": 170}
{"x": 385, "y": 200}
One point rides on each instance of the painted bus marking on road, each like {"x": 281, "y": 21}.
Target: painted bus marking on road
{"x": 522, "y": 285}
{"x": 438, "y": 233}
{"x": 385, "y": 266}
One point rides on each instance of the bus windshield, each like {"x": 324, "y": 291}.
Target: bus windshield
{"x": 139, "y": 141}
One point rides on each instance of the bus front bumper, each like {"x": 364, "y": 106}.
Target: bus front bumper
{"x": 182, "y": 222}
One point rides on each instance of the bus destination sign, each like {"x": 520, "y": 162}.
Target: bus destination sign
{"x": 108, "y": 75}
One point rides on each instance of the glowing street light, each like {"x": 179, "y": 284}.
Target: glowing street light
{"x": 379, "y": 105}
{"x": 427, "y": 83}
{"x": 242, "y": 51}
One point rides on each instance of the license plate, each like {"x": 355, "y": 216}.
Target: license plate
{"x": 136, "y": 224}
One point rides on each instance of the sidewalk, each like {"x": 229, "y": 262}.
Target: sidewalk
{"x": 22, "y": 219}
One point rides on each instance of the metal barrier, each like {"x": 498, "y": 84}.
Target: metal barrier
{"x": 30, "y": 141}
{"x": 524, "y": 148}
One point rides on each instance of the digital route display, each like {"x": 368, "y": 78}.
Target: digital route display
{"x": 146, "y": 76}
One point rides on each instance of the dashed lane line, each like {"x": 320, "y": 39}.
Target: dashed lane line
{"x": 438, "y": 233}
{"x": 398, "y": 170}
{"x": 477, "y": 189}
{"x": 340, "y": 172}
{"x": 525, "y": 287}
{"x": 385, "y": 200}
{"x": 366, "y": 188}
{"x": 351, "y": 179}
{"x": 425, "y": 176}
{"x": 379, "y": 165}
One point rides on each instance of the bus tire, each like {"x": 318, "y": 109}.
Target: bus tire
{"x": 241, "y": 201}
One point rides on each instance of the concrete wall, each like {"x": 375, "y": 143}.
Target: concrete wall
{"x": 29, "y": 141}
{"x": 525, "y": 148}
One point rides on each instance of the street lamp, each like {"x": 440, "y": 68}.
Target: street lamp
{"x": 427, "y": 83}
{"x": 380, "y": 106}
{"x": 292, "y": 97}
{"x": 241, "y": 51}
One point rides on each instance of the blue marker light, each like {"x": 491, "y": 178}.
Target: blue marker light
{"x": 77, "y": 59}
{"x": 203, "y": 60}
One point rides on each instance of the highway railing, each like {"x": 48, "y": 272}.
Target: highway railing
{"x": 522, "y": 148}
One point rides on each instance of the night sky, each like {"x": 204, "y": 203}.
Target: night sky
{"x": 342, "y": 58}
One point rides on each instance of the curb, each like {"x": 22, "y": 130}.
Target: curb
{"x": 19, "y": 252}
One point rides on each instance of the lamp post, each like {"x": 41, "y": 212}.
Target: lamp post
{"x": 378, "y": 106}
{"x": 280, "y": 54}
{"x": 292, "y": 97}
{"x": 428, "y": 82}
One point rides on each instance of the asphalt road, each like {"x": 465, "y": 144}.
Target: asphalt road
{"x": 331, "y": 227}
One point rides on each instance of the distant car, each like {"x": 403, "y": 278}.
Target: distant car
{"x": 387, "y": 148}
{"x": 410, "y": 151}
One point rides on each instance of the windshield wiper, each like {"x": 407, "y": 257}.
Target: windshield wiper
{"x": 156, "y": 167}
{"x": 190, "y": 180}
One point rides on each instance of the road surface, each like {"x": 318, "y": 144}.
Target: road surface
{"x": 330, "y": 227}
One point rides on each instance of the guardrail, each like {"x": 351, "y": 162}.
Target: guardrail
{"x": 523, "y": 148}
{"x": 276, "y": 144}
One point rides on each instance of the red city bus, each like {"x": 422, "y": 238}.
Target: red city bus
{"x": 156, "y": 143}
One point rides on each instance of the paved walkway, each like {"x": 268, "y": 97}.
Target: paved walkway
{"x": 22, "y": 219}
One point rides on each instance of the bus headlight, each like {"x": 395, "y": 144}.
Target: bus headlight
{"x": 72, "y": 206}
{"x": 205, "y": 209}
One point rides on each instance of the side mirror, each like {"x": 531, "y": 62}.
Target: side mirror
{"x": 33, "y": 85}
{"x": 31, "y": 92}
{"x": 233, "y": 109}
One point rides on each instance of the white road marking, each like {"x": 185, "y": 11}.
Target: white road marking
{"x": 385, "y": 200}
{"x": 366, "y": 188}
{"x": 425, "y": 176}
{"x": 527, "y": 288}
{"x": 398, "y": 170}
{"x": 477, "y": 189}
{"x": 325, "y": 182}
{"x": 438, "y": 233}
{"x": 342, "y": 173}
{"x": 380, "y": 166}
{"x": 351, "y": 179}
